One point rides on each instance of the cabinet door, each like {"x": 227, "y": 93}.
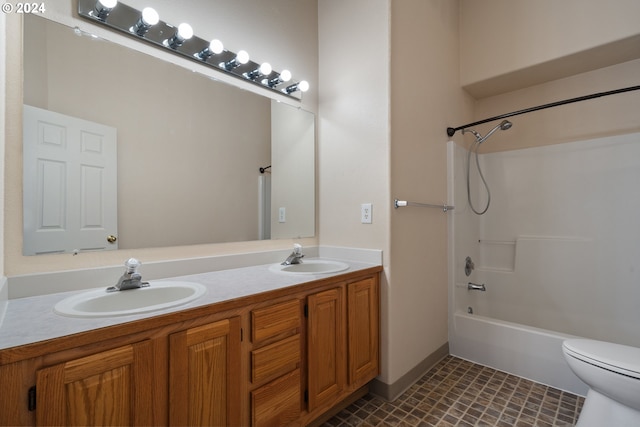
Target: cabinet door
{"x": 204, "y": 375}
{"x": 113, "y": 387}
{"x": 326, "y": 346}
{"x": 363, "y": 330}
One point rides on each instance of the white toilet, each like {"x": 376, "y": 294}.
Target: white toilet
{"x": 612, "y": 372}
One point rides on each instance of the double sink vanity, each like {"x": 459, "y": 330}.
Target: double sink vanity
{"x": 265, "y": 345}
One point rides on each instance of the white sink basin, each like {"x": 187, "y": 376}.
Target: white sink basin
{"x": 311, "y": 266}
{"x": 157, "y": 296}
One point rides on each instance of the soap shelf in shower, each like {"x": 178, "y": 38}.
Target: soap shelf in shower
{"x": 497, "y": 255}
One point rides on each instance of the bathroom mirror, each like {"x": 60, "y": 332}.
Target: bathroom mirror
{"x": 187, "y": 158}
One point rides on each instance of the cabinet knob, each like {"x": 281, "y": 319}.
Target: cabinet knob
{"x": 111, "y": 238}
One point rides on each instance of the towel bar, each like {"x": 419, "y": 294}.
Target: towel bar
{"x": 400, "y": 203}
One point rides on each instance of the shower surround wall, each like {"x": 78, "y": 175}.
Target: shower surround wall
{"x": 558, "y": 247}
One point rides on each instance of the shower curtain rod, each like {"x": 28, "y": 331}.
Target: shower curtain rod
{"x": 452, "y": 131}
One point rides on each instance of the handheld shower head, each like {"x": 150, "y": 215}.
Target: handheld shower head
{"x": 504, "y": 125}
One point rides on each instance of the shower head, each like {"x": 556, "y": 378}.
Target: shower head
{"x": 504, "y": 125}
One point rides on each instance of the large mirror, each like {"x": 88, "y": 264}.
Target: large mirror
{"x": 182, "y": 152}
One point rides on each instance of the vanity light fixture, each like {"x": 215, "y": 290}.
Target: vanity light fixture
{"x": 215, "y": 47}
{"x": 283, "y": 77}
{"x": 183, "y": 32}
{"x": 242, "y": 57}
{"x": 148, "y": 18}
{"x": 262, "y": 71}
{"x": 302, "y": 86}
{"x": 102, "y": 8}
{"x": 147, "y": 26}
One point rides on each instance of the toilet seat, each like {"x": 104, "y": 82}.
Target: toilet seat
{"x": 621, "y": 359}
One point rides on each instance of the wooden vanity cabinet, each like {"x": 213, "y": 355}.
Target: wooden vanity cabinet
{"x": 281, "y": 358}
{"x": 276, "y": 361}
{"x": 184, "y": 372}
{"x": 204, "y": 372}
{"x": 363, "y": 301}
{"x": 112, "y": 387}
{"x": 343, "y": 341}
{"x": 326, "y": 344}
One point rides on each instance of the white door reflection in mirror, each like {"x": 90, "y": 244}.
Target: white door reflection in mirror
{"x": 70, "y": 180}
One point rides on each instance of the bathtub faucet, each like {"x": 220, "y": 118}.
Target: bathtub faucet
{"x": 474, "y": 287}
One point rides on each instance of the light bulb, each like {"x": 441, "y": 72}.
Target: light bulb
{"x": 216, "y": 46}
{"x": 265, "y": 69}
{"x": 285, "y": 75}
{"x": 242, "y": 57}
{"x": 302, "y": 86}
{"x": 102, "y": 8}
{"x": 185, "y": 32}
{"x": 150, "y": 16}
{"x": 148, "y": 19}
{"x": 108, "y": 3}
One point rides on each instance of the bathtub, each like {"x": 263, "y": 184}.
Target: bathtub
{"x": 570, "y": 273}
{"x": 528, "y": 352}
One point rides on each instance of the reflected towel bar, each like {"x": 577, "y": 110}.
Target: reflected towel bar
{"x": 400, "y": 203}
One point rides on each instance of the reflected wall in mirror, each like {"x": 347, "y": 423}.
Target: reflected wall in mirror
{"x": 189, "y": 148}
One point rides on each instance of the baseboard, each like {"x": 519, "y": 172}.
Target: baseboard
{"x": 391, "y": 391}
{"x": 4, "y": 297}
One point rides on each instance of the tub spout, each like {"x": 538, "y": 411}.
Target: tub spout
{"x": 475, "y": 287}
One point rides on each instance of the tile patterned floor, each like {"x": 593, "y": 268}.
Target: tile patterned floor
{"x": 457, "y": 392}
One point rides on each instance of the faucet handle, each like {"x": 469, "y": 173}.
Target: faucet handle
{"x": 132, "y": 265}
{"x": 297, "y": 249}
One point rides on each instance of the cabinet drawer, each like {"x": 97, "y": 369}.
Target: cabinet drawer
{"x": 275, "y": 359}
{"x": 278, "y": 402}
{"x": 275, "y": 320}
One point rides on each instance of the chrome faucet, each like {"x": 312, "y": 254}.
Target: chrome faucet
{"x": 295, "y": 257}
{"x": 131, "y": 279}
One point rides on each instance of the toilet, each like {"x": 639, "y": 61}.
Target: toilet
{"x": 612, "y": 372}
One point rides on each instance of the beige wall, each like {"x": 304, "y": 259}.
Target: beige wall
{"x": 353, "y": 128}
{"x": 509, "y": 44}
{"x": 235, "y": 23}
{"x": 425, "y": 99}
{"x": 612, "y": 115}
{"x": 2, "y": 142}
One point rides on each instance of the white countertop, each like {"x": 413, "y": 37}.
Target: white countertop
{"x": 32, "y": 319}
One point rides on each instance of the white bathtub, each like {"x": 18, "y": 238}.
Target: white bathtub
{"x": 521, "y": 350}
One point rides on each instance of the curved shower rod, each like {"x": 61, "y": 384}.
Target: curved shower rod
{"x": 452, "y": 131}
